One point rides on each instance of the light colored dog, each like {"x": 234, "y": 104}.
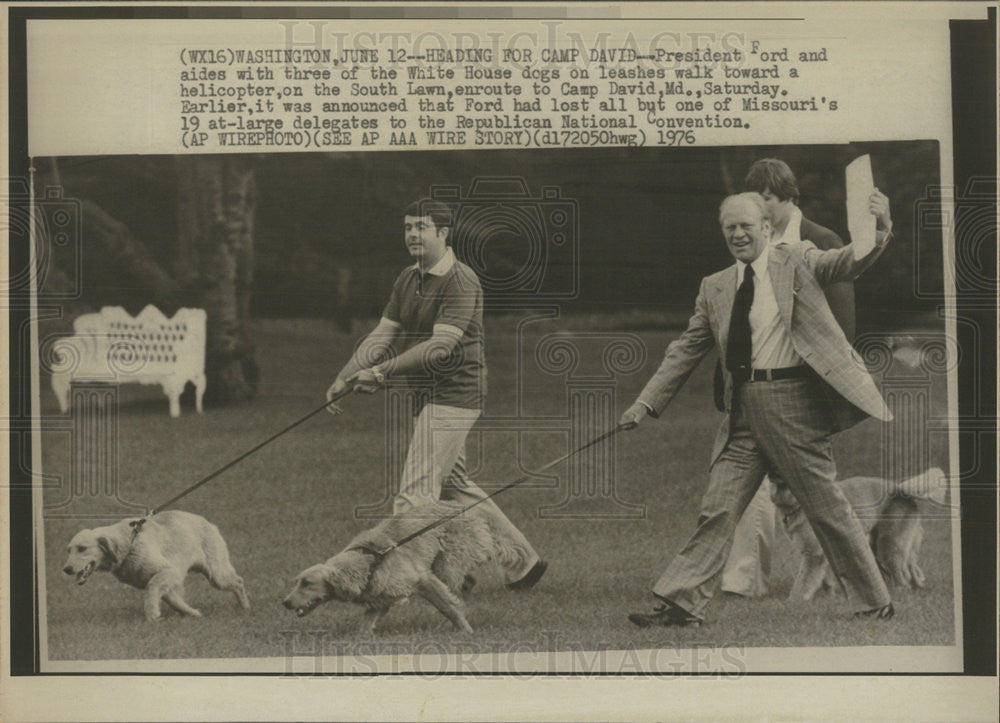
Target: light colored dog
{"x": 896, "y": 540}
{"x": 435, "y": 565}
{"x": 889, "y": 515}
{"x": 169, "y": 545}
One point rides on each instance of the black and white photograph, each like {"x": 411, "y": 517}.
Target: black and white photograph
{"x": 405, "y": 359}
{"x": 473, "y": 330}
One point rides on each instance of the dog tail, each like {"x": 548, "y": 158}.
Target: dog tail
{"x": 931, "y": 485}
{"x": 215, "y": 549}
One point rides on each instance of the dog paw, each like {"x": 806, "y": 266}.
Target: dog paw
{"x": 194, "y": 613}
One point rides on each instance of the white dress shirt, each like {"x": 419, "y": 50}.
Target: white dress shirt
{"x": 771, "y": 342}
{"x": 791, "y": 233}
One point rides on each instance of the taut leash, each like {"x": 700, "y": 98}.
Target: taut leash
{"x": 379, "y": 554}
{"x": 137, "y": 524}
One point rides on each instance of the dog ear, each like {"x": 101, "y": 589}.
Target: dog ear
{"x": 110, "y": 549}
{"x": 341, "y": 584}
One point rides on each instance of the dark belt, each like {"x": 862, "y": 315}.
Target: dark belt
{"x": 770, "y": 375}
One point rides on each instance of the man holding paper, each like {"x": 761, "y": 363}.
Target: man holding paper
{"x": 748, "y": 567}
{"x": 791, "y": 380}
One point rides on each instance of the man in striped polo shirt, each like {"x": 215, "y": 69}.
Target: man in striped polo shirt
{"x": 431, "y": 335}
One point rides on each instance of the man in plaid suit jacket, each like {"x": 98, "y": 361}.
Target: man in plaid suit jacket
{"x": 780, "y": 416}
{"x": 748, "y": 567}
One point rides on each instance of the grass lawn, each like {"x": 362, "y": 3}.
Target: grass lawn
{"x": 294, "y": 504}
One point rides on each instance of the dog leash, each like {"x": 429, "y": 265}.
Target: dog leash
{"x": 136, "y": 525}
{"x": 379, "y": 555}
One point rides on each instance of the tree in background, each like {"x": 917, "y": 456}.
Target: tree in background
{"x": 216, "y": 199}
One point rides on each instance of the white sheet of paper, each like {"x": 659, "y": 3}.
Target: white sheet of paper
{"x": 860, "y": 221}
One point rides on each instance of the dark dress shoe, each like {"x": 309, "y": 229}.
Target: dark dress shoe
{"x": 883, "y": 613}
{"x": 665, "y": 616}
{"x": 534, "y": 575}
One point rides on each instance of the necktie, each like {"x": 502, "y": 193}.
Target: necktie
{"x": 738, "y": 345}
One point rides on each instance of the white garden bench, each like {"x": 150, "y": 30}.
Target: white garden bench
{"x": 114, "y": 347}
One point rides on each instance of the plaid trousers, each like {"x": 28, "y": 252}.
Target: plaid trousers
{"x": 782, "y": 426}
{"x": 435, "y": 469}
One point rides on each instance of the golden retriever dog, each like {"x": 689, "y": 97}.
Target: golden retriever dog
{"x": 890, "y": 516}
{"x": 435, "y": 565}
{"x": 170, "y": 545}
{"x": 896, "y": 540}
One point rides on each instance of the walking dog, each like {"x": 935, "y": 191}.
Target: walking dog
{"x": 890, "y": 516}
{"x": 157, "y": 559}
{"x": 435, "y": 565}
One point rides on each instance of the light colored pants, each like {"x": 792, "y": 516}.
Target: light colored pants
{"x": 749, "y": 564}
{"x": 435, "y": 469}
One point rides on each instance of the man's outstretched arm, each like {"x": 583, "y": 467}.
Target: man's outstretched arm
{"x": 432, "y": 356}
{"x": 680, "y": 359}
{"x": 841, "y": 264}
{"x": 425, "y": 358}
{"x": 370, "y": 350}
